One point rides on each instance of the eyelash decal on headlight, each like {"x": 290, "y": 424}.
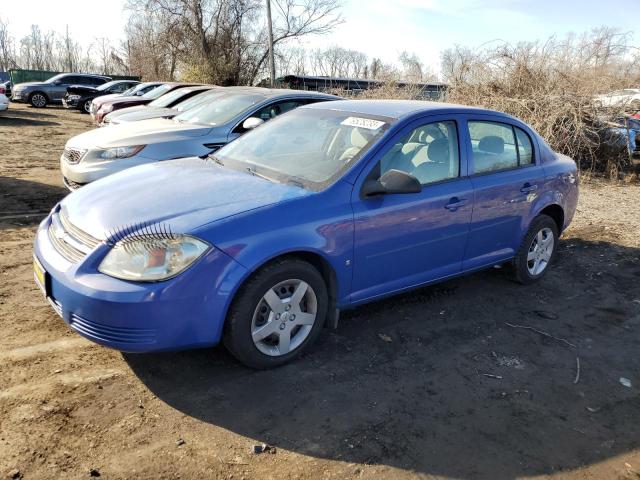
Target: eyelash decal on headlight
{"x": 145, "y": 232}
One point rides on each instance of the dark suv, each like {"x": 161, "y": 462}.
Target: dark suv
{"x": 39, "y": 94}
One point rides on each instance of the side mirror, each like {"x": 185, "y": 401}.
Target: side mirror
{"x": 251, "y": 123}
{"x": 58, "y": 82}
{"x": 393, "y": 181}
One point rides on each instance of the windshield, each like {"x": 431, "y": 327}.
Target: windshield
{"x": 169, "y": 98}
{"x": 199, "y": 99}
{"x": 220, "y": 111}
{"x": 55, "y": 77}
{"x": 307, "y": 147}
{"x": 158, "y": 91}
{"x": 106, "y": 86}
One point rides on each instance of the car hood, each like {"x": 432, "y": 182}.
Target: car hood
{"x": 106, "y": 98}
{"x": 20, "y": 86}
{"x": 180, "y": 195}
{"x": 81, "y": 89}
{"x": 131, "y": 100}
{"x": 144, "y": 113}
{"x": 145, "y": 132}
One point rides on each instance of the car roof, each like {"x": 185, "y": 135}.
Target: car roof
{"x": 398, "y": 109}
{"x": 269, "y": 93}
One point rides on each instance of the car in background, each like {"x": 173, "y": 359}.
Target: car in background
{"x": 627, "y": 98}
{"x": 198, "y": 131}
{"x": 41, "y": 94}
{"x": 81, "y": 96}
{"x": 131, "y": 101}
{"x": 4, "y": 102}
{"x": 325, "y": 208}
{"x": 167, "y": 106}
{"x": 7, "y": 88}
{"x": 136, "y": 91}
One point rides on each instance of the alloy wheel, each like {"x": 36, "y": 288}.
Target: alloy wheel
{"x": 284, "y": 317}
{"x": 87, "y": 106}
{"x": 540, "y": 251}
{"x": 38, "y": 100}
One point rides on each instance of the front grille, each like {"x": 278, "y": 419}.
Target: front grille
{"x": 71, "y": 185}
{"x": 110, "y": 334}
{"x": 73, "y": 155}
{"x": 75, "y": 232}
{"x": 70, "y": 242}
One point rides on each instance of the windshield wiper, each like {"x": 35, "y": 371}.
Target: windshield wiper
{"x": 253, "y": 172}
{"x": 215, "y": 159}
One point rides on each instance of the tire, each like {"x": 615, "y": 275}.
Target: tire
{"x": 537, "y": 250}
{"x": 86, "y": 106}
{"x": 256, "y": 334}
{"x": 38, "y": 100}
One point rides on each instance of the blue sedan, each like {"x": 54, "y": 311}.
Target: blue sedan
{"x": 329, "y": 206}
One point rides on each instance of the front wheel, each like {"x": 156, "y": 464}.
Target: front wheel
{"x": 277, "y": 314}
{"x": 86, "y": 106}
{"x": 38, "y": 100}
{"x": 537, "y": 250}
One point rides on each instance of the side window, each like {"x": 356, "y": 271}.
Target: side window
{"x": 273, "y": 110}
{"x": 70, "y": 80}
{"x": 494, "y": 146}
{"x": 525, "y": 148}
{"x": 429, "y": 153}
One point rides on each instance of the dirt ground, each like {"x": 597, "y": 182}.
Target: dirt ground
{"x": 432, "y": 384}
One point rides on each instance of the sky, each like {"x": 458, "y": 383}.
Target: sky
{"x": 379, "y": 28}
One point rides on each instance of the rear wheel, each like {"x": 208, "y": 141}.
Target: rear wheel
{"x": 277, "y": 314}
{"x": 537, "y": 250}
{"x": 38, "y": 100}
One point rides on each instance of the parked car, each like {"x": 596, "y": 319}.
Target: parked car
{"x": 103, "y": 151}
{"x": 81, "y": 96}
{"x": 40, "y": 94}
{"x": 327, "y": 207}
{"x": 167, "y": 106}
{"x": 4, "y": 102}
{"x": 7, "y": 88}
{"x": 629, "y": 97}
{"x": 131, "y": 101}
{"x": 136, "y": 91}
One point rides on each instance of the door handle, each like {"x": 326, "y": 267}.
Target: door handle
{"x": 455, "y": 203}
{"x": 528, "y": 188}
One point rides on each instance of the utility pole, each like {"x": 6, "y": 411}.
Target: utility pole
{"x": 272, "y": 63}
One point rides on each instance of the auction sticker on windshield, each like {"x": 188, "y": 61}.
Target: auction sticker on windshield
{"x": 360, "y": 122}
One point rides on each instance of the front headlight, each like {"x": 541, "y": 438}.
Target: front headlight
{"x": 74, "y": 97}
{"x": 152, "y": 259}
{"x": 120, "y": 152}
{"x": 106, "y": 108}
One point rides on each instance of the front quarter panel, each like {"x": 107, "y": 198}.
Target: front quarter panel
{"x": 319, "y": 223}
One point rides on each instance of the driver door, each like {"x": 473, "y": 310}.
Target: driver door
{"x": 404, "y": 240}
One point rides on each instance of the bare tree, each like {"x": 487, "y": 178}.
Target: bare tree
{"x": 8, "y": 54}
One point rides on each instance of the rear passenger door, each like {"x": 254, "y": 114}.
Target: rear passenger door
{"x": 506, "y": 174}
{"x": 404, "y": 240}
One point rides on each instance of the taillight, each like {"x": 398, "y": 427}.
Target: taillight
{"x": 2, "y": 90}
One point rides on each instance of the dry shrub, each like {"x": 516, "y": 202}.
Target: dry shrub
{"x": 551, "y": 86}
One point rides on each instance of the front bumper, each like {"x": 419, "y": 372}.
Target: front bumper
{"x": 70, "y": 103}
{"x": 19, "y": 97}
{"x": 187, "y": 311}
{"x": 87, "y": 171}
